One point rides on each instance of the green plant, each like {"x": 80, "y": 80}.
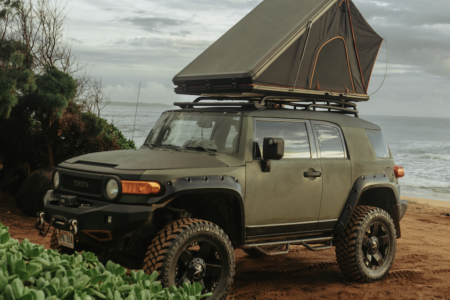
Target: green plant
{"x": 30, "y": 272}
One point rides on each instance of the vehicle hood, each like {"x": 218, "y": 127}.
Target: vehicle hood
{"x": 146, "y": 159}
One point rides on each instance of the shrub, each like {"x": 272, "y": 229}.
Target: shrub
{"x": 30, "y": 272}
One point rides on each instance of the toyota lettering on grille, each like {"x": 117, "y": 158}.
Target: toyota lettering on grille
{"x": 81, "y": 184}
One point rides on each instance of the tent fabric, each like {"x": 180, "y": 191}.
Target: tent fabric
{"x": 275, "y": 46}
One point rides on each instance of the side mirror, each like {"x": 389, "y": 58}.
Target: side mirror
{"x": 272, "y": 149}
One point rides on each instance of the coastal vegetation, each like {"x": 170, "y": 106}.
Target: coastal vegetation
{"x": 50, "y": 104}
{"x": 30, "y": 272}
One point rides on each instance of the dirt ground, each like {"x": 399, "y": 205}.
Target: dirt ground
{"x": 421, "y": 269}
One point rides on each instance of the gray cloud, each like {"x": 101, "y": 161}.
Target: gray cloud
{"x": 154, "y": 24}
{"x": 153, "y": 50}
{"x": 182, "y": 33}
{"x": 169, "y": 43}
{"x": 208, "y": 5}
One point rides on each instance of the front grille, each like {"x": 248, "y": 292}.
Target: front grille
{"x": 81, "y": 185}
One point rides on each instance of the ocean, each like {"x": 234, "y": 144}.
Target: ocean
{"x": 420, "y": 145}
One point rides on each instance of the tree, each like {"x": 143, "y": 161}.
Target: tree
{"x": 49, "y": 104}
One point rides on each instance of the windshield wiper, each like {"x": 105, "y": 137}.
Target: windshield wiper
{"x": 210, "y": 151}
{"x": 173, "y": 146}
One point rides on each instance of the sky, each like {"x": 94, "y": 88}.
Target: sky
{"x": 149, "y": 41}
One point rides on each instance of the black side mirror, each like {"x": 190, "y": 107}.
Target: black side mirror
{"x": 272, "y": 149}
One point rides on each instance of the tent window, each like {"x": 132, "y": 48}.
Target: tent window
{"x": 332, "y": 69}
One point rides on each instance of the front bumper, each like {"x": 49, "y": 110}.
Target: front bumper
{"x": 97, "y": 221}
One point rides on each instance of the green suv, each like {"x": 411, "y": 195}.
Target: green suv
{"x": 259, "y": 174}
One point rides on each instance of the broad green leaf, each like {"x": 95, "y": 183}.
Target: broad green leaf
{"x": 17, "y": 287}
{"x": 3, "y": 284}
{"x": 125, "y": 288}
{"x": 4, "y": 237}
{"x": 120, "y": 271}
{"x": 177, "y": 296}
{"x": 99, "y": 278}
{"x": 205, "y": 296}
{"x": 117, "y": 296}
{"x": 8, "y": 293}
{"x": 50, "y": 290}
{"x": 154, "y": 276}
{"x": 33, "y": 269}
{"x": 26, "y": 297}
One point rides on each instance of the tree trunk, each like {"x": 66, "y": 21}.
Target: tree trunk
{"x": 49, "y": 152}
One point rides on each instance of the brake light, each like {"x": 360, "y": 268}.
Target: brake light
{"x": 399, "y": 171}
{"x": 140, "y": 187}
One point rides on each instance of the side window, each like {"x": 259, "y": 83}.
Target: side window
{"x": 379, "y": 143}
{"x": 294, "y": 134}
{"x": 330, "y": 141}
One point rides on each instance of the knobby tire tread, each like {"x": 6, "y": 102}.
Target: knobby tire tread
{"x": 163, "y": 248}
{"x": 346, "y": 244}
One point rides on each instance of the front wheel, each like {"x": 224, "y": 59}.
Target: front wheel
{"x": 192, "y": 250}
{"x": 365, "y": 250}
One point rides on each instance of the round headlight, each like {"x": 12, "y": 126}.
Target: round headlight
{"x": 112, "y": 189}
{"x": 56, "y": 180}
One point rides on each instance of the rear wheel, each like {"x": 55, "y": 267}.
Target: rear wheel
{"x": 192, "y": 250}
{"x": 54, "y": 244}
{"x": 366, "y": 248}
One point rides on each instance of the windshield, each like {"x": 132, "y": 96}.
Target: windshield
{"x": 182, "y": 130}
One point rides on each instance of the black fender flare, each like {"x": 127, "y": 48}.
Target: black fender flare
{"x": 202, "y": 185}
{"x": 361, "y": 185}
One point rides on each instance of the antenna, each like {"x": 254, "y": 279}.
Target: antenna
{"x": 135, "y": 115}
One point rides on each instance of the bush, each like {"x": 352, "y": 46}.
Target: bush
{"x": 30, "y": 272}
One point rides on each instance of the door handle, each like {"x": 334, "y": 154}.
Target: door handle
{"x": 312, "y": 174}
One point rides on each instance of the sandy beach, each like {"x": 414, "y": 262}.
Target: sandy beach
{"x": 421, "y": 269}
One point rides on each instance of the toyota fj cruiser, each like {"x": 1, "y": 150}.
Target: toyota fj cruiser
{"x": 260, "y": 174}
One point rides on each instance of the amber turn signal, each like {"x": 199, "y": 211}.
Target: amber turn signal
{"x": 399, "y": 172}
{"x": 140, "y": 187}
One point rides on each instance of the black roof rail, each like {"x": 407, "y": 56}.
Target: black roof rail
{"x": 335, "y": 106}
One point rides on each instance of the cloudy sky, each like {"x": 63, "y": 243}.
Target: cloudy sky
{"x": 149, "y": 41}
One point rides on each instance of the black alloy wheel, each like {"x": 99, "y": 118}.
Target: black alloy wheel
{"x": 375, "y": 246}
{"x": 192, "y": 250}
{"x": 365, "y": 249}
{"x": 199, "y": 262}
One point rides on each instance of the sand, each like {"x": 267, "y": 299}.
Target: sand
{"x": 421, "y": 269}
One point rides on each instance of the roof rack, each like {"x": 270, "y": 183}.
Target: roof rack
{"x": 335, "y": 106}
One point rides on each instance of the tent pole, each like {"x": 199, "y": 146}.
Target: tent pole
{"x": 303, "y": 54}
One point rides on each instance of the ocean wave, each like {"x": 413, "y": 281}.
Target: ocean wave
{"x": 444, "y": 157}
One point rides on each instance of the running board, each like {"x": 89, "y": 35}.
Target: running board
{"x": 303, "y": 242}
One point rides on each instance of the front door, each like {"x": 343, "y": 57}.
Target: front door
{"x": 286, "y": 199}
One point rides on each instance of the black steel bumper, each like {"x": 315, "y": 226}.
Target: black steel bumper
{"x": 403, "y": 208}
{"x": 96, "y": 220}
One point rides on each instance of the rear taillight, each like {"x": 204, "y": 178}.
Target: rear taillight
{"x": 399, "y": 171}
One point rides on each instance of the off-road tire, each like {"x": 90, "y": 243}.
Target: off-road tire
{"x": 172, "y": 238}
{"x": 349, "y": 247}
{"x": 56, "y": 246}
{"x": 254, "y": 253}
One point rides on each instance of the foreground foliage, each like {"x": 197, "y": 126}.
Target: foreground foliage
{"x": 30, "y": 272}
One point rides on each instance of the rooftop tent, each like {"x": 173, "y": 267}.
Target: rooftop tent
{"x": 310, "y": 48}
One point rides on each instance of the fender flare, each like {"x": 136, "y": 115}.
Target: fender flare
{"x": 203, "y": 185}
{"x": 361, "y": 185}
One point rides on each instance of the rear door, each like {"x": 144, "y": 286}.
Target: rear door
{"x": 283, "y": 200}
{"x": 336, "y": 172}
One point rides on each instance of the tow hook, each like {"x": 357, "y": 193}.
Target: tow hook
{"x": 40, "y": 224}
{"x": 73, "y": 226}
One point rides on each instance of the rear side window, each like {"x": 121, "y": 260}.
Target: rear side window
{"x": 294, "y": 134}
{"x": 379, "y": 143}
{"x": 330, "y": 141}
